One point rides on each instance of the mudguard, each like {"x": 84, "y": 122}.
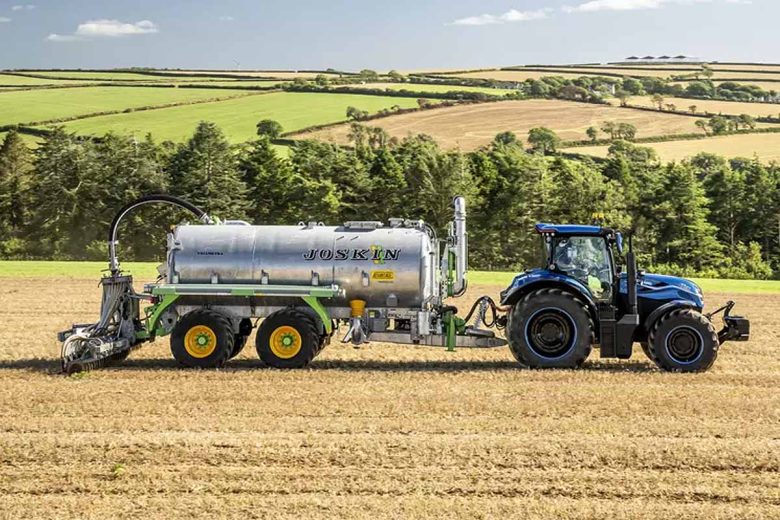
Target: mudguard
{"x": 667, "y": 307}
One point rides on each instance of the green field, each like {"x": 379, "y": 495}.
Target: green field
{"x": 232, "y": 83}
{"x": 99, "y": 76}
{"x": 10, "y": 80}
{"x": 25, "y": 106}
{"x": 426, "y": 87}
{"x": 238, "y": 117}
{"x": 30, "y": 140}
{"x": 148, "y": 271}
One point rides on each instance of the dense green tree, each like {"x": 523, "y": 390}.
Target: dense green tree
{"x": 543, "y": 140}
{"x": 269, "y": 128}
{"x": 204, "y": 171}
{"x": 15, "y": 172}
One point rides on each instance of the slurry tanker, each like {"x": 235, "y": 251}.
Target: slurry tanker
{"x": 390, "y": 282}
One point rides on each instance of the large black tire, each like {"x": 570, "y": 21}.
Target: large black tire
{"x": 550, "y": 328}
{"x": 287, "y": 339}
{"x": 244, "y": 330}
{"x": 683, "y": 340}
{"x": 202, "y": 339}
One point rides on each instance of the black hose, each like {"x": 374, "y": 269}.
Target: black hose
{"x": 494, "y": 322}
{"x": 147, "y": 199}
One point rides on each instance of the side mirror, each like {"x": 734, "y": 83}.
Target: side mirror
{"x": 619, "y": 242}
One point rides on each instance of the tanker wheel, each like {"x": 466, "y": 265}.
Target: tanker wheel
{"x": 550, "y": 328}
{"x": 287, "y": 339}
{"x": 244, "y": 330}
{"x": 202, "y": 339}
{"x": 683, "y": 341}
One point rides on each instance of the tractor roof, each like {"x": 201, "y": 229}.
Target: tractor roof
{"x": 572, "y": 229}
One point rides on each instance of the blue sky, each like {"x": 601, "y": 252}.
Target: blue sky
{"x": 400, "y": 34}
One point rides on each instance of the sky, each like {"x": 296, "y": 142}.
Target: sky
{"x": 380, "y": 35}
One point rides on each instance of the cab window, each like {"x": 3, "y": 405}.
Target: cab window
{"x": 586, "y": 259}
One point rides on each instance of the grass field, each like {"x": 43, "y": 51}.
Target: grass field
{"x": 517, "y": 75}
{"x": 712, "y": 106}
{"x": 383, "y": 431}
{"x": 10, "y": 80}
{"x": 99, "y": 76}
{"x": 238, "y": 117}
{"x": 283, "y": 75}
{"x": 471, "y": 126}
{"x": 765, "y": 146}
{"x": 41, "y": 105}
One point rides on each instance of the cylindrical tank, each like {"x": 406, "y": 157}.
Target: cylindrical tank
{"x": 385, "y": 266}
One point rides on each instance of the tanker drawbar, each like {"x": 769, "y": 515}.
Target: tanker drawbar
{"x": 385, "y": 281}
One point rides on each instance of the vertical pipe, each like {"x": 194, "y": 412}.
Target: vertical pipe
{"x": 460, "y": 245}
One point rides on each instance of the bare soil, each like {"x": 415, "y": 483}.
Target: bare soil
{"x": 380, "y": 432}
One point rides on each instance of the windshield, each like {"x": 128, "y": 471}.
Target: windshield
{"x": 587, "y": 260}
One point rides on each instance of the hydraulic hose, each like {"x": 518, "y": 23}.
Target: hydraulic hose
{"x": 113, "y": 260}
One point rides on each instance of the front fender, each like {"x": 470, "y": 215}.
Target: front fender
{"x": 665, "y": 308}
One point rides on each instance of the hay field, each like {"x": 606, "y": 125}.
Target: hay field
{"x": 380, "y": 432}
{"x": 24, "y": 106}
{"x": 238, "y": 117}
{"x": 427, "y": 87}
{"x": 708, "y": 105}
{"x": 519, "y": 75}
{"x": 764, "y": 146}
{"x": 471, "y": 126}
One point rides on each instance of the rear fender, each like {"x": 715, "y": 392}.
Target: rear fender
{"x": 515, "y": 294}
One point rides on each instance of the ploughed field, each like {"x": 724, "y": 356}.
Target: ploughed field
{"x": 471, "y": 126}
{"x": 380, "y": 432}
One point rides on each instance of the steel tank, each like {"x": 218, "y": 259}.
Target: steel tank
{"x": 386, "y": 266}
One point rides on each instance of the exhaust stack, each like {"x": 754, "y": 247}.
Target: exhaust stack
{"x": 458, "y": 247}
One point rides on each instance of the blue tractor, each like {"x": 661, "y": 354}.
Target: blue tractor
{"x": 580, "y": 297}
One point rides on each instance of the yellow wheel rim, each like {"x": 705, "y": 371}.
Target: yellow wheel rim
{"x": 286, "y": 342}
{"x": 200, "y": 341}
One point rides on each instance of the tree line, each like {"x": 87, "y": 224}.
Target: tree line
{"x": 707, "y": 216}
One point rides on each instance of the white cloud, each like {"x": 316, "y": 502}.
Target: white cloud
{"x": 105, "y": 29}
{"x": 634, "y": 5}
{"x": 513, "y": 15}
{"x": 114, "y": 28}
{"x": 226, "y": 18}
{"x": 22, "y": 7}
{"x": 3, "y": 19}
{"x": 63, "y": 38}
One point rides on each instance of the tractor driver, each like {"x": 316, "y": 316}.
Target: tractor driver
{"x": 579, "y": 258}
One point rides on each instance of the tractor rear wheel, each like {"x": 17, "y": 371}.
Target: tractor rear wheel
{"x": 287, "y": 339}
{"x": 550, "y": 328}
{"x": 683, "y": 340}
{"x": 202, "y": 339}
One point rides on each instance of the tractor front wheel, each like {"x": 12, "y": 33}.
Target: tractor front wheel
{"x": 683, "y": 340}
{"x": 550, "y": 328}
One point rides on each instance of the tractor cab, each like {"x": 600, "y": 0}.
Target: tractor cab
{"x": 584, "y": 253}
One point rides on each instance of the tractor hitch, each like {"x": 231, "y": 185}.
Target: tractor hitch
{"x": 735, "y": 328}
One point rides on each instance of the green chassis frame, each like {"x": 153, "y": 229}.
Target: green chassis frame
{"x": 168, "y": 294}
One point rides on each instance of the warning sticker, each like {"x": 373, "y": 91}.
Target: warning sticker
{"x": 383, "y": 276}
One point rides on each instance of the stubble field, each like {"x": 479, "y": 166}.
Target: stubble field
{"x": 380, "y": 432}
{"x": 470, "y": 126}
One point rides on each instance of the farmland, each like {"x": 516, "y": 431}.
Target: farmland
{"x": 379, "y": 432}
{"x": 765, "y": 146}
{"x": 238, "y": 117}
{"x": 711, "y": 106}
{"x": 34, "y": 105}
{"x": 425, "y": 87}
{"x": 471, "y": 126}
